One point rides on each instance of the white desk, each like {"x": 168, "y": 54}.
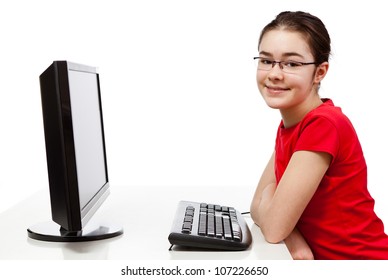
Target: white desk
{"x": 146, "y": 215}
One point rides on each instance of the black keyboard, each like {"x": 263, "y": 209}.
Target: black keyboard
{"x": 209, "y": 226}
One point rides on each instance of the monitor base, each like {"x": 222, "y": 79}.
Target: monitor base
{"x": 52, "y": 232}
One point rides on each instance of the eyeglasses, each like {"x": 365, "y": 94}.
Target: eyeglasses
{"x": 288, "y": 66}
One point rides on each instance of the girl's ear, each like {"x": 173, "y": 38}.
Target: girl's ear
{"x": 321, "y": 72}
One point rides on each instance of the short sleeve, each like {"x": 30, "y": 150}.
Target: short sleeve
{"x": 320, "y": 135}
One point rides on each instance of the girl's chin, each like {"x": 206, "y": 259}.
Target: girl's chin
{"x": 275, "y": 103}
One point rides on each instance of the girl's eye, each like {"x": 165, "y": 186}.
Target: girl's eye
{"x": 265, "y": 61}
{"x": 292, "y": 64}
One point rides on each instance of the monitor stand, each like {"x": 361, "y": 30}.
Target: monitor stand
{"x": 51, "y": 231}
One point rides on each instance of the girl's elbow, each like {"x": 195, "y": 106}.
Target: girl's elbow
{"x": 273, "y": 235}
{"x": 273, "y": 239}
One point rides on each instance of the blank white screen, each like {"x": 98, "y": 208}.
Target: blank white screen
{"x": 87, "y": 128}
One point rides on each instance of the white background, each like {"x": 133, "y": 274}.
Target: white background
{"x": 180, "y": 102}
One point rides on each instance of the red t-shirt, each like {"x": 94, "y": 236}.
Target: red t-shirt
{"x": 339, "y": 222}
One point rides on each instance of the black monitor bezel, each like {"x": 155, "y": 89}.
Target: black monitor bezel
{"x": 60, "y": 147}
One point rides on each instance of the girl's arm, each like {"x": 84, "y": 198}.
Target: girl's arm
{"x": 277, "y": 209}
{"x": 298, "y": 247}
{"x": 267, "y": 178}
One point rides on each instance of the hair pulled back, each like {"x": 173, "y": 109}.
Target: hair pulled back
{"x": 311, "y": 27}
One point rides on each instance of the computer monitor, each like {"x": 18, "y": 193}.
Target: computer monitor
{"x": 75, "y": 152}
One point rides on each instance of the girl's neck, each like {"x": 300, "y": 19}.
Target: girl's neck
{"x": 292, "y": 116}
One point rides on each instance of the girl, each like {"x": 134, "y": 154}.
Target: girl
{"x": 313, "y": 192}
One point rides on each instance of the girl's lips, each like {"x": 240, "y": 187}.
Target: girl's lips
{"x": 275, "y": 89}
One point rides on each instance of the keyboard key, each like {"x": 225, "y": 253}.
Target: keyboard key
{"x": 188, "y": 219}
{"x": 219, "y": 227}
{"x": 236, "y": 230}
{"x": 210, "y": 225}
{"x": 202, "y": 224}
{"x": 227, "y": 230}
{"x": 186, "y": 228}
{"x": 189, "y": 213}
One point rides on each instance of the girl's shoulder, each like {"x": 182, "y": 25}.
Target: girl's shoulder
{"x": 331, "y": 113}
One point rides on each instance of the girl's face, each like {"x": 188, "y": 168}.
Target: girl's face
{"x": 282, "y": 90}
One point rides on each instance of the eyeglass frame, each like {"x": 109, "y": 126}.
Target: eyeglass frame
{"x": 281, "y": 63}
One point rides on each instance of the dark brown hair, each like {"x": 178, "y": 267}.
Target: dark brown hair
{"x": 311, "y": 27}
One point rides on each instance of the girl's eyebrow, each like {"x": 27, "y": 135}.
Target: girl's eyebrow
{"x": 265, "y": 53}
{"x": 287, "y": 54}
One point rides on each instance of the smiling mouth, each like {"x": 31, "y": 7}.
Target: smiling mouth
{"x": 275, "y": 90}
